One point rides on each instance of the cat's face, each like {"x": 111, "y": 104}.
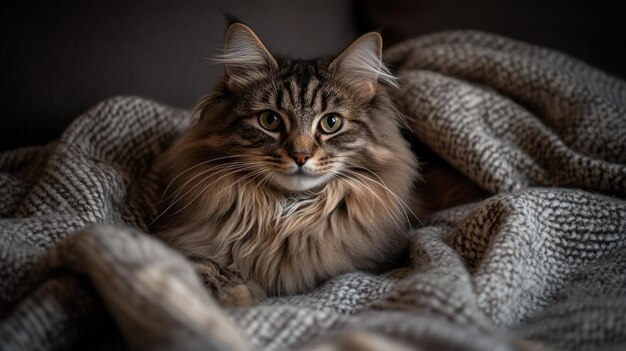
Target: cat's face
{"x": 301, "y": 135}
{"x": 299, "y": 124}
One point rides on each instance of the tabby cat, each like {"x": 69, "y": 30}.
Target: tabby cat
{"x": 295, "y": 171}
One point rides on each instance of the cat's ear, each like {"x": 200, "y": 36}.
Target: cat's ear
{"x": 360, "y": 65}
{"x": 245, "y": 58}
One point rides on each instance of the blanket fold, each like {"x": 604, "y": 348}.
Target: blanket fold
{"x": 538, "y": 265}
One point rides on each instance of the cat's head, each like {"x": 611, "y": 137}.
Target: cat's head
{"x": 299, "y": 124}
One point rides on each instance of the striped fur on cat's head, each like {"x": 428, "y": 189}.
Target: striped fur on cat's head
{"x": 299, "y": 123}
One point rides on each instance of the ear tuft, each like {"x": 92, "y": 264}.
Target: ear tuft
{"x": 244, "y": 57}
{"x": 360, "y": 65}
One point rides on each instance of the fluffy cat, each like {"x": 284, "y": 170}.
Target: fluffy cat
{"x": 295, "y": 171}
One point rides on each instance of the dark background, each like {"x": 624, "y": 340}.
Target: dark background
{"x": 58, "y": 58}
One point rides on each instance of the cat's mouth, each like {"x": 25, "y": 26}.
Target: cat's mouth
{"x": 300, "y": 171}
{"x": 300, "y": 179}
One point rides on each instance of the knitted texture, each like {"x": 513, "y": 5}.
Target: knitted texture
{"x": 541, "y": 264}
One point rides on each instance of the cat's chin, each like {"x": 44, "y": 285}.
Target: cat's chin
{"x": 300, "y": 182}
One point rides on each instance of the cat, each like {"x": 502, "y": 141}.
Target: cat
{"x": 295, "y": 171}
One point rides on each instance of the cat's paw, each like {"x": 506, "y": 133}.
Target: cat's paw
{"x": 235, "y": 296}
{"x": 240, "y": 295}
{"x": 227, "y": 286}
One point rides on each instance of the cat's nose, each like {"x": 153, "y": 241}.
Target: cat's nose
{"x": 300, "y": 157}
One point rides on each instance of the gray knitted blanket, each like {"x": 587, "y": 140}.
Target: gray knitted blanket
{"x": 541, "y": 264}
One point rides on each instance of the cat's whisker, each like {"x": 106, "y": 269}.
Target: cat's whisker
{"x": 252, "y": 175}
{"x": 207, "y": 187}
{"x": 191, "y": 168}
{"x": 266, "y": 170}
{"x": 393, "y": 196}
{"x": 229, "y": 165}
{"x": 394, "y": 217}
{"x": 397, "y": 202}
{"x": 384, "y": 185}
{"x": 235, "y": 166}
{"x": 214, "y": 169}
{"x": 198, "y": 175}
{"x": 174, "y": 201}
{"x": 242, "y": 166}
{"x": 229, "y": 170}
{"x": 389, "y": 210}
{"x": 397, "y": 218}
{"x": 267, "y": 177}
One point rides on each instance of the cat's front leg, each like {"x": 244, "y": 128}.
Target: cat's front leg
{"x": 227, "y": 286}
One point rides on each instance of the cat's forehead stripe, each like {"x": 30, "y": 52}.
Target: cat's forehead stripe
{"x": 279, "y": 99}
{"x": 302, "y": 78}
{"x": 302, "y": 82}
{"x": 325, "y": 97}
{"x": 289, "y": 90}
{"x": 299, "y": 87}
{"x": 315, "y": 95}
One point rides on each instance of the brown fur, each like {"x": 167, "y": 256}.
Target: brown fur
{"x": 231, "y": 203}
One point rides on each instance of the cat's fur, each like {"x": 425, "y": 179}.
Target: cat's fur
{"x": 234, "y": 201}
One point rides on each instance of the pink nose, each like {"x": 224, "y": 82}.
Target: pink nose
{"x": 300, "y": 158}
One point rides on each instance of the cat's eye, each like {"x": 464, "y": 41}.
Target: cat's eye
{"x": 270, "y": 120}
{"x": 330, "y": 123}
